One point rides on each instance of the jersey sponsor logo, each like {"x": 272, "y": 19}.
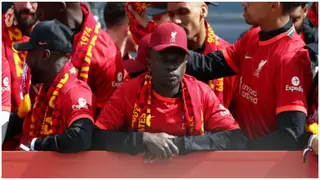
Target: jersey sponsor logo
{"x": 224, "y": 111}
{"x": 119, "y": 76}
{"x": 5, "y": 81}
{"x": 247, "y": 92}
{"x": 5, "y": 85}
{"x": 247, "y": 57}
{"x": 295, "y": 81}
{"x": 119, "y": 79}
{"x": 260, "y": 66}
{"x": 82, "y": 103}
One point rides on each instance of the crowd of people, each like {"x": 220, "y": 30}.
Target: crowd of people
{"x": 70, "y": 86}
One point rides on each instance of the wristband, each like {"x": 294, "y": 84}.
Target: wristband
{"x": 309, "y": 148}
{"x": 32, "y": 144}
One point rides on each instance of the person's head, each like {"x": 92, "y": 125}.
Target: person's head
{"x": 168, "y": 53}
{"x": 158, "y": 12}
{"x": 189, "y": 15}
{"x": 298, "y": 13}
{"x": 25, "y": 13}
{"x": 47, "y": 11}
{"x": 115, "y": 16}
{"x": 261, "y": 13}
{"x": 49, "y": 43}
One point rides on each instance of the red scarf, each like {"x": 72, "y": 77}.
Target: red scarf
{"x": 212, "y": 44}
{"x": 11, "y": 34}
{"x": 137, "y": 30}
{"x": 141, "y": 116}
{"x": 84, "y": 44}
{"x": 45, "y": 119}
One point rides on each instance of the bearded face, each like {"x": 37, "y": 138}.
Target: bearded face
{"x": 25, "y": 13}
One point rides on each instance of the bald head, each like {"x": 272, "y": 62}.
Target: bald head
{"x": 197, "y": 4}
{"x": 189, "y": 15}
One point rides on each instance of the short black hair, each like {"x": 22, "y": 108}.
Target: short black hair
{"x": 114, "y": 13}
{"x": 289, "y": 6}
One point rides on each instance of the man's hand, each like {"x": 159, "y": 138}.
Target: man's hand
{"x": 143, "y": 19}
{"x": 315, "y": 145}
{"x": 159, "y": 145}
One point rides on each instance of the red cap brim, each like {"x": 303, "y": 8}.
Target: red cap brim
{"x": 165, "y": 46}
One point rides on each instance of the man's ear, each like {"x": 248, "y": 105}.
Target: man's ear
{"x": 46, "y": 54}
{"x": 204, "y": 10}
{"x": 275, "y": 5}
{"x": 62, "y": 6}
{"x": 305, "y": 10}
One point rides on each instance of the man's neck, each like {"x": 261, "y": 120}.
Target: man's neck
{"x": 116, "y": 35}
{"x": 199, "y": 40}
{"x": 275, "y": 24}
{"x": 166, "y": 91}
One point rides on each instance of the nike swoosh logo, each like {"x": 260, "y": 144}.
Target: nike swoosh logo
{"x": 247, "y": 57}
{"x": 42, "y": 43}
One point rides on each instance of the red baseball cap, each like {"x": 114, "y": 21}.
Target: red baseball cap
{"x": 140, "y": 62}
{"x": 167, "y": 35}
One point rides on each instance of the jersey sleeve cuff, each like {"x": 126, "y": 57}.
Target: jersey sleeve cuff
{"x": 6, "y": 108}
{"x": 291, "y": 108}
{"x": 229, "y": 61}
{"x": 100, "y": 125}
{"x": 100, "y": 105}
{"x": 74, "y": 118}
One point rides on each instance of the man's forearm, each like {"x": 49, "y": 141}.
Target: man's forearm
{"x": 224, "y": 140}
{"x": 76, "y": 138}
{"x": 208, "y": 67}
{"x": 287, "y": 137}
{"x": 14, "y": 126}
{"x": 123, "y": 142}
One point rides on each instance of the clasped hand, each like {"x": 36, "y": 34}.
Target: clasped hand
{"x": 159, "y": 145}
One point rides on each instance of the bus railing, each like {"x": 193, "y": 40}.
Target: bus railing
{"x": 221, "y": 164}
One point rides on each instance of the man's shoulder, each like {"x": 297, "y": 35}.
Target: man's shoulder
{"x": 222, "y": 42}
{"x": 253, "y": 31}
{"x": 200, "y": 86}
{"x": 106, "y": 48}
{"x": 134, "y": 83}
{"x": 291, "y": 46}
{"x": 105, "y": 39}
{"x": 251, "y": 35}
{"x": 75, "y": 86}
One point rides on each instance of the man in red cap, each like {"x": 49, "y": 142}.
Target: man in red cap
{"x": 166, "y": 108}
{"x": 139, "y": 65}
{"x": 96, "y": 57}
{"x": 191, "y": 16}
